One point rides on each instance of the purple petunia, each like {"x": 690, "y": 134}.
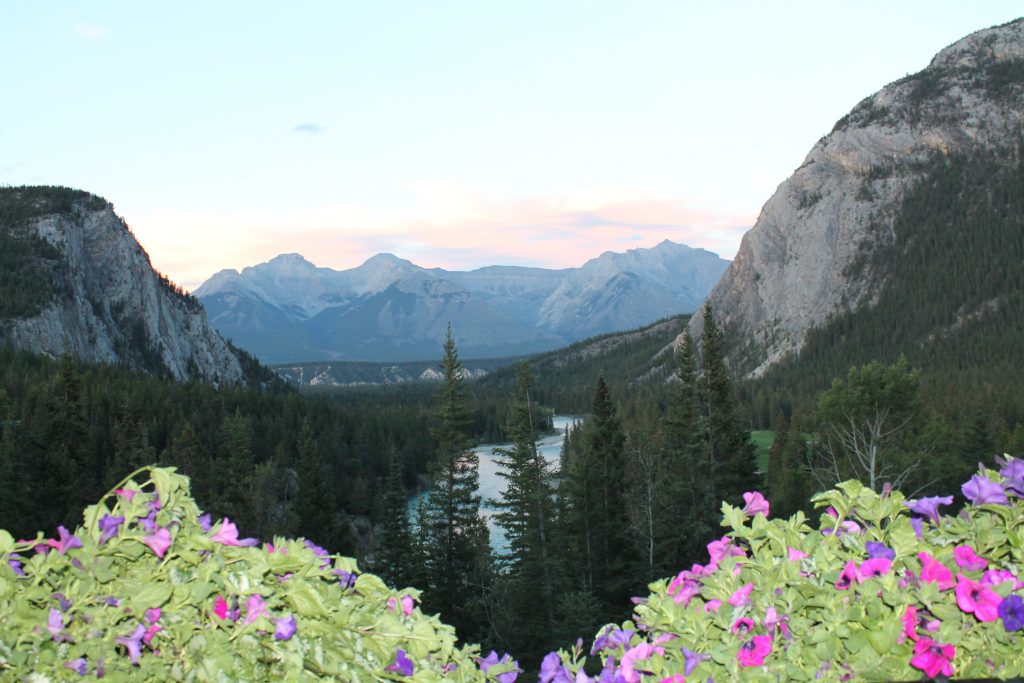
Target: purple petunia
{"x": 490, "y": 660}
{"x": 1011, "y": 611}
{"x": 929, "y": 507}
{"x": 133, "y": 643}
{"x": 693, "y": 660}
{"x": 76, "y": 665}
{"x": 1013, "y": 471}
{"x": 981, "y": 490}
{"x": 16, "y": 566}
{"x": 67, "y": 540}
{"x": 284, "y": 627}
{"x": 109, "y": 527}
{"x": 879, "y": 551}
{"x": 402, "y": 665}
{"x": 553, "y": 671}
{"x": 205, "y": 522}
{"x": 325, "y": 559}
{"x": 55, "y": 625}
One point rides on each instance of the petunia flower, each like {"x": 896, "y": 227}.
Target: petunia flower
{"x": 152, "y": 615}
{"x": 109, "y": 527}
{"x": 76, "y": 665}
{"x": 753, "y": 652}
{"x": 933, "y": 658}
{"x": 741, "y": 596}
{"x": 610, "y": 638}
{"x": 967, "y": 559}
{"x": 158, "y": 541}
{"x": 674, "y": 678}
{"x": 67, "y": 540}
{"x": 255, "y": 607}
{"x": 878, "y": 550}
{"x": 220, "y": 607}
{"x": 402, "y": 665}
{"x": 873, "y": 568}
{"x": 929, "y": 507}
{"x": 974, "y": 598}
{"x": 55, "y": 625}
{"x": 683, "y": 588}
{"x": 133, "y": 643}
{"x": 149, "y": 522}
{"x": 933, "y": 570}
{"x": 348, "y": 579}
{"x": 918, "y": 526}
{"x": 755, "y": 503}
{"x": 847, "y": 577}
{"x": 284, "y": 627}
{"x": 227, "y": 534}
{"x": 15, "y": 565}
{"x": 981, "y": 490}
{"x": 722, "y": 548}
{"x": 552, "y": 670}
{"x": 712, "y": 606}
{"x": 325, "y": 559}
{"x": 127, "y": 494}
{"x": 637, "y": 653}
{"x": 151, "y": 631}
{"x": 742, "y": 627}
{"x": 795, "y": 555}
{"x": 1013, "y": 471}
{"x": 693, "y": 660}
{"x": 1011, "y": 611}
{"x": 490, "y": 660}
{"x": 994, "y": 577}
{"x": 909, "y": 624}
{"x": 205, "y": 522}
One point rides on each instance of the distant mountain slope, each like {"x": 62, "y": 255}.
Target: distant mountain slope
{"x": 388, "y": 309}
{"x": 73, "y": 279}
{"x": 901, "y": 231}
{"x": 330, "y": 374}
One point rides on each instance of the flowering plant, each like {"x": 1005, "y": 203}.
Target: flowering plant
{"x": 150, "y": 590}
{"x": 884, "y": 589}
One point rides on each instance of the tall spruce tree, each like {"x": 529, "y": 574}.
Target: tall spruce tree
{"x": 526, "y": 513}
{"x": 457, "y": 545}
{"x": 732, "y": 456}
{"x": 395, "y": 553}
{"x": 685, "y": 481}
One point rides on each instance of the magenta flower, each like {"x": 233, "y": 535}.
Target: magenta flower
{"x": 976, "y": 599}
{"x": 909, "y": 624}
{"x": 847, "y": 577}
{"x": 873, "y": 568}
{"x": 741, "y": 596}
{"x": 227, "y": 534}
{"x": 742, "y": 627}
{"x": 795, "y": 555}
{"x": 753, "y": 652}
{"x": 402, "y": 665}
{"x": 220, "y": 607}
{"x": 255, "y": 608}
{"x": 1011, "y": 611}
{"x": 933, "y": 658}
{"x": 151, "y": 631}
{"x": 933, "y": 570}
{"x": 152, "y": 615}
{"x": 158, "y": 541}
{"x": 722, "y": 548}
{"x": 683, "y": 587}
{"x": 637, "y": 653}
{"x": 994, "y": 577}
{"x": 67, "y": 541}
{"x": 967, "y": 559}
{"x": 877, "y": 550}
{"x": 133, "y": 643}
{"x": 712, "y": 606}
{"x": 674, "y": 678}
{"x": 109, "y": 527}
{"x": 929, "y": 507}
{"x": 127, "y": 494}
{"x": 982, "y": 490}
{"x": 755, "y": 503}
{"x": 285, "y": 627}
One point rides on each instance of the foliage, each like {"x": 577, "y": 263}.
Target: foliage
{"x": 148, "y": 590}
{"x": 875, "y": 593}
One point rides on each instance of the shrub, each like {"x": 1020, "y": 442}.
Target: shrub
{"x": 149, "y": 590}
{"x": 884, "y": 589}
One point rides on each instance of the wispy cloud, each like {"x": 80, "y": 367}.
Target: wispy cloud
{"x": 92, "y": 31}
{"x": 447, "y": 228}
{"x": 310, "y": 129}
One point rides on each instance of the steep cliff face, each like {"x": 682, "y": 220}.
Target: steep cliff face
{"x": 100, "y": 298}
{"x": 808, "y": 257}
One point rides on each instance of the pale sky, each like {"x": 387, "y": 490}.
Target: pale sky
{"x": 454, "y": 134}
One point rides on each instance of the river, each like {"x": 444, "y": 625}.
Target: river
{"x": 491, "y": 485}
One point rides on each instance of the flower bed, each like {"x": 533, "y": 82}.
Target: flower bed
{"x": 884, "y": 589}
{"x": 150, "y": 589}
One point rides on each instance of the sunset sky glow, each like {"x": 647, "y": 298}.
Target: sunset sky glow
{"x": 453, "y": 134}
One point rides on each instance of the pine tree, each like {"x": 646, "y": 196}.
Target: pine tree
{"x": 689, "y": 514}
{"x": 315, "y": 506}
{"x": 394, "y": 557}
{"x": 526, "y": 514}
{"x": 458, "y": 542}
{"x": 732, "y": 456}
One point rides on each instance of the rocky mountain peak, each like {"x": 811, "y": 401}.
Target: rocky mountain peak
{"x": 808, "y": 256}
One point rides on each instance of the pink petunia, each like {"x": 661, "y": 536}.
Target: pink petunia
{"x": 712, "y": 606}
{"x": 227, "y": 534}
{"x": 158, "y": 541}
{"x": 873, "y": 568}
{"x": 722, "y": 548}
{"x": 741, "y": 596}
{"x": 933, "y": 570}
{"x": 847, "y": 577}
{"x": 255, "y": 607}
{"x": 795, "y": 555}
{"x": 909, "y": 624}
{"x": 742, "y": 627}
{"x": 967, "y": 559}
{"x": 220, "y": 607}
{"x": 633, "y": 655}
{"x": 755, "y": 503}
{"x": 127, "y": 494}
{"x": 974, "y": 598}
{"x": 933, "y": 658}
{"x": 753, "y": 652}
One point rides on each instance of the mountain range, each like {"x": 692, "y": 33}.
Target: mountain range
{"x": 388, "y": 309}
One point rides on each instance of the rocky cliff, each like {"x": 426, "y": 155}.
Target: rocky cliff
{"x": 808, "y": 258}
{"x": 94, "y": 293}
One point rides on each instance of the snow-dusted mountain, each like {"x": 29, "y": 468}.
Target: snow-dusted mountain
{"x": 389, "y": 309}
